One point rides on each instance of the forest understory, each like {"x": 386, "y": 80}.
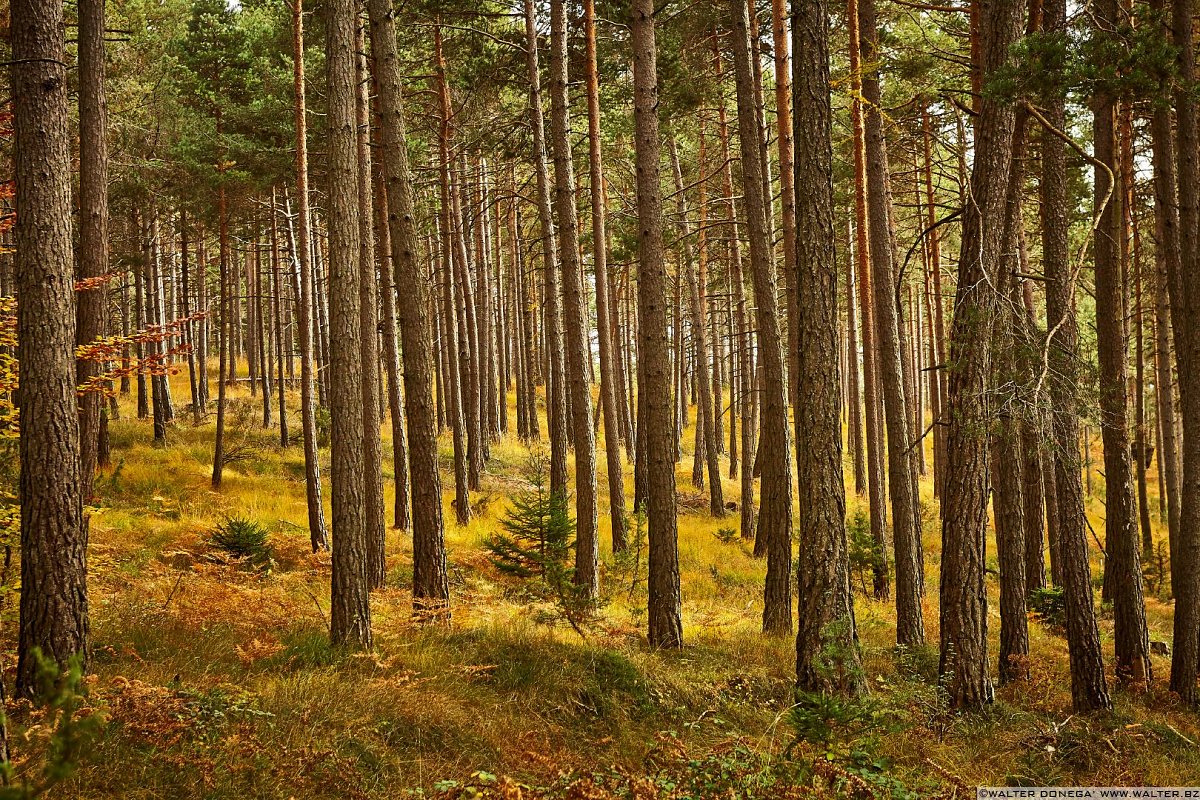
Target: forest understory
{"x": 217, "y": 679}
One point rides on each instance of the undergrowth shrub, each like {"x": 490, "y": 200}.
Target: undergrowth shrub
{"x": 1050, "y": 606}
{"x": 864, "y": 554}
{"x": 534, "y": 546}
{"x": 243, "y": 539}
{"x": 73, "y": 730}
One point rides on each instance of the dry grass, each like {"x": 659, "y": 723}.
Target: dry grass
{"x": 220, "y": 682}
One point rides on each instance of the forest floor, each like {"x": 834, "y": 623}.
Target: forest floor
{"x": 217, "y": 680}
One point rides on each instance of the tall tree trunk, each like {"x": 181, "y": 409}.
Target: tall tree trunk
{"x": 775, "y": 516}
{"x": 391, "y": 342}
{"x": 431, "y": 589}
{"x": 350, "y": 612}
{"x": 1123, "y": 565}
{"x": 278, "y": 307}
{"x": 93, "y": 228}
{"x": 374, "y": 516}
{"x": 54, "y": 533}
{"x": 587, "y": 544}
{"x": 224, "y": 300}
{"x": 1167, "y": 263}
{"x": 706, "y": 428}
{"x": 301, "y": 247}
{"x": 906, "y": 520}
{"x": 1184, "y": 287}
{"x": 1089, "y": 688}
{"x": 654, "y": 386}
{"x": 609, "y": 386}
{"x": 787, "y": 191}
{"x": 876, "y": 499}
{"x": 964, "y": 662}
{"x": 556, "y": 394}
{"x": 825, "y": 602}
{"x": 453, "y": 368}
{"x": 853, "y": 407}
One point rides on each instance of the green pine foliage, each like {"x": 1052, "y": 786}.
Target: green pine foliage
{"x": 534, "y": 546}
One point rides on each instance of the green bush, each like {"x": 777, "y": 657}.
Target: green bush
{"x": 726, "y": 535}
{"x": 534, "y": 545}
{"x": 244, "y": 539}
{"x": 864, "y": 554}
{"x": 1049, "y": 605}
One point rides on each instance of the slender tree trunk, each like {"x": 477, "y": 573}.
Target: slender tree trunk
{"x": 876, "y": 500}
{"x": 556, "y": 394}
{"x": 375, "y": 518}
{"x": 350, "y": 610}
{"x": 277, "y": 307}
{"x": 906, "y": 521}
{"x": 587, "y": 544}
{"x": 706, "y": 429}
{"x": 301, "y": 247}
{"x": 225, "y": 301}
{"x": 1123, "y": 565}
{"x": 775, "y": 517}
{"x": 93, "y": 229}
{"x": 431, "y": 589}
{"x": 654, "y": 386}
{"x": 825, "y": 602}
{"x": 1089, "y": 688}
{"x": 609, "y": 385}
{"x": 1184, "y": 287}
{"x": 964, "y": 662}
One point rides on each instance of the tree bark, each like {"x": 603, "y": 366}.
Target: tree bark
{"x": 301, "y": 248}
{"x": 556, "y": 393}
{"x": 704, "y": 401}
{"x": 654, "y": 386}
{"x": 609, "y": 385}
{"x": 574, "y": 318}
{"x": 775, "y": 515}
{"x": 906, "y": 520}
{"x": 54, "y": 533}
{"x": 374, "y": 516}
{"x": 1123, "y": 565}
{"x": 350, "y": 613}
{"x": 964, "y": 662}
{"x": 430, "y": 583}
{"x": 1184, "y": 287}
{"x": 825, "y": 602}
{"x": 1089, "y": 688}
{"x": 93, "y": 227}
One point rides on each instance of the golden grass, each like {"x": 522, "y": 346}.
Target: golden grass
{"x": 260, "y": 706}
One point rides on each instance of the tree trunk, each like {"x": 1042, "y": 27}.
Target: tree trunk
{"x": 825, "y": 602}
{"x": 54, "y": 533}
{"x": 430, "y": 584}
{"x": 964, "y": 662}
{"x": 654, "y": 386}
{"x": 93, "y": 228}
{"x": 706, "y": 428}
{"x": 609, "y": 385}
{"x": 350, "y": 613}
{"x": 1184, "y": 287}
{"x": 301, "y": 247}
{"x": 1089, "y": 688}
{"x": 374, "y": 516}
{"x": 876, "y": 499}
{"x": 1123, "y": 566}
{"x": 775, "y": 516}
{"x": 556, "y": 394}
{"x": 587, "y": 545}
{"x": 906, "y": 521}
